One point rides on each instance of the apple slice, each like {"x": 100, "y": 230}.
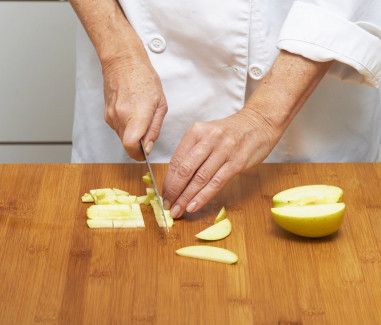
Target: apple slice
{"x": 120, "y": 192}
{"x": 131, "y": 223}
{"x": 159, "y": 214}
{"x": 109, "y": 212}
{"x": 221, "y": 215}
{"x": 209, "y": 253}
{"x": 310, "y": 220}
{"x": 87, "y": 198}
{"x": 147, "y": 178}
{"x": 100, "y": 223}
{"x": 218, "y": 231}
{"x": 103, "y": 196}
{"x": 308, "y": 194}
{"x": 115, "y": 216}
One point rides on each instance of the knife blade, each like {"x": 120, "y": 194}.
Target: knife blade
{"x": 154, "y": 183}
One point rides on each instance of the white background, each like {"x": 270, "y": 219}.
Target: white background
{"x": 37, "y": 81}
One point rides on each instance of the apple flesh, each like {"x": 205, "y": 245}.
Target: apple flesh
{"x": 159, "y": 214}
{"x": 87, "y": 198}
{"x": 218, "y": 231}
{"x": 131, "y": 223}
{"x": 310, "y": 220}
{"x": 147, "y": 178}
{"x": 106, "y": 196}
{"x": 210, "y": 253}
{"x": 221, "y": 215}
{"x": 115, "y": 216}
{"x": 308, "y": 195}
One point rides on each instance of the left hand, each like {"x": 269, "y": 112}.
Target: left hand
{"x": 210, "y": 154}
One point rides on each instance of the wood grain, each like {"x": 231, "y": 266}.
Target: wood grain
{"x": 55, "y": 270}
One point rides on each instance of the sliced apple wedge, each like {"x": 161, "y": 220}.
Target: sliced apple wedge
{"x": 210, "y": 253}
{"x": 308, "y": 195}
{"x": 144, "y": 199}
{"x": 147, "y": 178}
{"x": 103, "y": 196}
{"x": 221, "y": 215}
{"x": 120, "y": 192}
{"x": 115, "y": 216}
{"x": 159, "y": 214}
{"x": 109, "y": 212}
{"x": 131, "y": 223}
{"x": 310, "y": 220}
{"x": 87, "y": 198}
{"x": 114, "y": 208}
{"x": 99, "y": 223}
{"x": 218, "y": 231}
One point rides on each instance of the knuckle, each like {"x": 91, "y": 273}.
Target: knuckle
{"x": 239, "y": 165}
{"x": 121, "y": 110}
{"x": 171, "y": 194}
{"x": 196, "y": 127}
{"x": 217, "y": 133}
{"x": 173, "y": 164}
{"x": 202, "y": 198}
{"x": 108, "y": 120}
{"x": 163, "y": 108}
{"x": 230, "y": 142}
{"x": 216, "y": 183}
{"x": 201, "y": 178}
{"x": 184, "y": 198}
{"x": 184, "y": 171}
{"x": 154, "y": 131}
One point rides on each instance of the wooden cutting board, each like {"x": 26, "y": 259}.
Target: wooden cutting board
{"x": 55, "y": 270}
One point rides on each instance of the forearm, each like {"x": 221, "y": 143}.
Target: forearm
{"x": 108, "y": 29}
{"x": 284, "y": 90}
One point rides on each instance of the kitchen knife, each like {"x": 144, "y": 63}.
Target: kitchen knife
{"x": 154, "y": 183}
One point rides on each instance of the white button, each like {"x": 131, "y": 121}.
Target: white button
{"x": 256, "y": 71}
{"x": 157, "y": 44}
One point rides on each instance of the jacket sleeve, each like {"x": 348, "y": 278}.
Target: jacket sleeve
{"x": 345, "y": 31}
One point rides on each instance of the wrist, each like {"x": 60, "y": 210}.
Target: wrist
{"x": 109, "y": 30}
{"x": 285, "y": 89}
{"x": 117, "y": 55}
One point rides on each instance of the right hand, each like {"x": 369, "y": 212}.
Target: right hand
{"x": 135, "y": 101}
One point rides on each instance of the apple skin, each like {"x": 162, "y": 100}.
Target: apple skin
{"x": 308, "y": 195}
{"x": 310, "y": 220}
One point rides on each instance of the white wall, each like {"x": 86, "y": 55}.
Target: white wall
{"x": 37, "y": 81}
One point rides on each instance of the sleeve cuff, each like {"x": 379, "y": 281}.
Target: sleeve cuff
{"x": 321, "y": 35}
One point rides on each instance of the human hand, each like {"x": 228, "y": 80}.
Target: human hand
{"x": 135, "y": 102}
{"x": 210, "y": 154}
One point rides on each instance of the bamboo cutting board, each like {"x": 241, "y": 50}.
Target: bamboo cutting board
{"x": 55, "y": 270}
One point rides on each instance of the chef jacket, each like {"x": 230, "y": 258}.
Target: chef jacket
{"x": 211, "y": 55}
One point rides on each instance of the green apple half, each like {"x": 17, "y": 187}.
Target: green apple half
{"x": 310, "y": 220}
{"x": 308, "y": 195}
{"x": 218, "y": 231}
{"x": 210, "y": 253}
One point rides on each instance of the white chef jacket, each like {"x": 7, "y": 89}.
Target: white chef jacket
{"x": 211, "y": 55}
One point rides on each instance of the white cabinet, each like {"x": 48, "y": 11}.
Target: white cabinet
{"x": 37, "y": 80}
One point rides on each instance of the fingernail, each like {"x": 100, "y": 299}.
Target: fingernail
{"x": 175, "y": 211}
{"x": 166, "y": 204}
{"x": 191, "y": 207}
{"x": 149, "y": 147}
